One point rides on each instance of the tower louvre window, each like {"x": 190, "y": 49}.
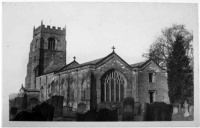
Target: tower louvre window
{"x": 51, "y": 43}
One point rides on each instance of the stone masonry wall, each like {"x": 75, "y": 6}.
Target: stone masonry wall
{"x": 71, "y": 86}
{"x": 159, "y": 84}
{"x": 42, "y": 59}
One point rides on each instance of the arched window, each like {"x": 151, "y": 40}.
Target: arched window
{"x": 51, "y": 43}
{"x": 112, "y": 86}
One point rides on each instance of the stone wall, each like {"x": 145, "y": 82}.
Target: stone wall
{"x": 51, "y": 60}
{"x": 72, "y": 86}
{"x": 159, "y": 85}
{"x": 42, "y": 59}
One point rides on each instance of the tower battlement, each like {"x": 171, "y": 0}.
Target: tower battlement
{"x": 47, "y": 51}
{"x": 48, "y": 29}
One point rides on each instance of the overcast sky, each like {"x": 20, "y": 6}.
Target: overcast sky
{"x": 92, "y": 29}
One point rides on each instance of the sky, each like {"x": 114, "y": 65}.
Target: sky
{"x": 92, "y": 29}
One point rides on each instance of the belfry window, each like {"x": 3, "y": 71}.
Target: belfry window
{"x": 51, "y": 43}
{"x": 112, "y": 87}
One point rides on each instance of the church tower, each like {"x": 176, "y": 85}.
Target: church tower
{"x": 47, "y": 53}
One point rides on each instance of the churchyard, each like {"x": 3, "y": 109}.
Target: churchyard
{"x": 130, "y": 111}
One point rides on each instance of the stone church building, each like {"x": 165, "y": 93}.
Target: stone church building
{"x": 98, "y": 83}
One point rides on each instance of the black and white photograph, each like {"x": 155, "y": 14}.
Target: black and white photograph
{"x": 100, "y": 64}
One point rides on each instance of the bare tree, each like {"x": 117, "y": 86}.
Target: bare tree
{"x": 161, "y": 48}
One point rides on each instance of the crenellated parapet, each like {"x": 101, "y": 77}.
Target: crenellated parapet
{"x": 48, "y": 29}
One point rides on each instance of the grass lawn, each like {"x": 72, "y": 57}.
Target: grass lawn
{"x": 180, "y": 117}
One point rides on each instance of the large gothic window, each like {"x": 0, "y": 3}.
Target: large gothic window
{"x": 51, "y": 43}
{"x": 112, "y": 86}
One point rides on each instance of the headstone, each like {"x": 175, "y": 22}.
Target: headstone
{"x": 74, "y": 108}
{"x": 57, "y": 103}
{"x": 186, "y": 113}
{"x": 191, "y": 110}
{"x": 60, "y": 105}
{"x": 148, "y": 113}
{"x": 87, "y": 116}
{"x": 81, "y": 107}
{"x": 158, "y": 111}
{"x": 128, "y": 109}
{"x": 32, "y": 102}
{"x": 137, "y": 108}
{"x": 107, "y": 115}
{"x": 18, "y": 103}
{"x": 13, "y": 112}
{"x": 175, "y": 110}
{"x": 182, "y": 109}
{"x": 43, "y": 112}
{"x": 101, "y": 105}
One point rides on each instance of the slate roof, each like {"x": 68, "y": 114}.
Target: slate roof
{"x": 93, "y": 62}
{"x": 141, "y": 64}
{"x": 68, "y": 66}
{"x": 75, "y": 64}
{"x": 137, "y": 64}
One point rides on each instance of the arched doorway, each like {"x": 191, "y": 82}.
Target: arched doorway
{"x": 113, "y": 85}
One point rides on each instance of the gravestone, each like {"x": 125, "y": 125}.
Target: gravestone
{"x": 57, "y": 103}
{"x": 148, "y": 112}
{"x": 128, "y": 109}
{"x": 186, "y": 113}
{"x": 18, "y": 103}
{"x": 101, "y": 105}
{"x": 175, "y": 110}
{"x": 60, "y": 105}
{"x": 182, "y": 110}
{"x": 137, "y": 108}
{"x": 107, "y": 115}
{"x": 158, "y": 111}
{"x": 191, "y": 110}
{"x": 13, "y": 112}
{"x": 81, "y": 107}
{"x": 32, "y": 102}
{"x": 43, "y": 112}
{"x": 87, "y": 116}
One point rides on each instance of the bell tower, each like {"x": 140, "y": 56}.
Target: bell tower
{"x": 47, "y": 53}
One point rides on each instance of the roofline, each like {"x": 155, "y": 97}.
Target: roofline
{"x": 65, "y": 66}
{"x": 74, "y": 68}
{"x": 98, "y": 62}
{"x": 117, "y": 56}
{"x": 149, "y": 60}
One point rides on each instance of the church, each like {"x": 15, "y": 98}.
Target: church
{"x": 103, "y": 82}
